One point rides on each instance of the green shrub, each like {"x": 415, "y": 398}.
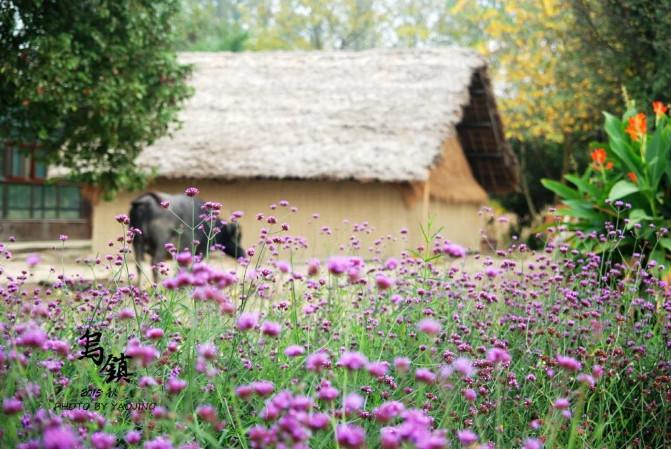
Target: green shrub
{"x": 622, "y": 196}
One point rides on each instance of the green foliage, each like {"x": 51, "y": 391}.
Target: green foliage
{"x": 210, "y": 26}
{"x": 627, "y": 185}
{"x": 90, "y": 82}
{"x": 538, "y": 159}
{"x": 632, "y": 39}
{"x": 315, "y": 24}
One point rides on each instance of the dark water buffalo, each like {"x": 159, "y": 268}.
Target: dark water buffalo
{"x": 160, "y": 225}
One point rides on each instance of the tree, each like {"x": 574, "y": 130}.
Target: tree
{"x": 210, "y": 26}
{"x": 632, "y": 40}
{"x": 313, "y": 24}
{"x": 89, "y": 83}
{"x": 550, "y": 97}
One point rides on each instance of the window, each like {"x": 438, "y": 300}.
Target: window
{"x": 24, "y": 193}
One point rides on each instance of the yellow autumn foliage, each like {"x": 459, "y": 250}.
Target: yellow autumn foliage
{"x": 544, "y": 91}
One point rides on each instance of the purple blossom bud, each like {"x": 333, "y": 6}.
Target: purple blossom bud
{"x": 318, "y": 421}
{"x": 11, "y": 406}
{"x": 34, "y": 338}
{"x": 191, "y": 191}
{"x": 159, "y": 443}
{"x": 59, "y": 437}
{"x": 569, "y": 363}
{"x": 402, "y": 364}
{"x": 429, "y": 326}
{"x": 425, "y": 375}
{"x": 175, "y": 385}
{"x": 33, "y": 260}
{"x": 294, "y": 351}
{"x": 247, "y": 321}
{"x": 469, "y": 394}
{"x": 498, "y": 355}
{"x": 317, "y": 362}
{"x": 207, "y": 351}
{"x": 350, "y": 436}
{"x": 244, "y": 391}
{"x": 388, "y": 411}
{"x": 532, "y": 443}
{"x": 377, "y": 369}
{"x": 467, "y": 437}
{"x": 562, "y": 403}
{"x": 383, "y": 282}
{"x": 207, "y": 412}
{"x": 313, "y": 267}
{"x": 133, "y": 437}
{"x": 337, "y": 265}
{"x": 101, "y": 440}
{"x": 353, "y": 360}
{"x": 184, "y": 259}
{"x": 353, "y": 402}
{"x": 263, "y": 387}
{"x": 155, "y": 333}
{"x": 271, "y": 328}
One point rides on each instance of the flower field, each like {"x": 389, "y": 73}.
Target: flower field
{"x": 523, "y": 349}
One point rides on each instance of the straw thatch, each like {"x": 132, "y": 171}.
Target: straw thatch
{"x": 378, "y": 115}
{"x": 481, "y": 135}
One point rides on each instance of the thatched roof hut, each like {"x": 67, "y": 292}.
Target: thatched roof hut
{"x": 422, "y": 120}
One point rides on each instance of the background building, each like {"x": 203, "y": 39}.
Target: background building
{"x": 390, "y": 137}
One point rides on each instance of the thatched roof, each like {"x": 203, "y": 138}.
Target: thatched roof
{"x": 377, "y": 115}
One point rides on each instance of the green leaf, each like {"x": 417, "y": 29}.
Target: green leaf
{"x": 560, "y": 189}
{"x": 582, "y": 209}
{"x": 619, "y": 147}
{"x": 583, "y": 185}
{"x": 621, "y": 189}
{"x": 658, "y": 256}
{"x": 636, "y": 216}
{"x": 665, "y": 243}
{"x": 657, "y": 155}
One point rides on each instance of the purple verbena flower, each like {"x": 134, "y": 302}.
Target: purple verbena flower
{"x": 317, "y": 362}
{"x": 353, "y": 360}
{"x": 60, "y": 437}
{"x": 467, "y": 437}
{"x": 425, "y": 375}
{"x": 191, "y": 191}
{"x": 101, "y": 440}
{"x": 569, "y": 363}
{"x": 294, "y": 351}
{"x": 11, "y": 406}
{"x": 429, "y": 326}
{"x": 247, "y": 320}
{"x": 271, "y": 328}
{"x": 159, "y": 443}
{"x": 350, "y": 436}
{"x": 498, "y": 355}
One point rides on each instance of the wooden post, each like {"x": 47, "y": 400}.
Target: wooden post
{"x": 91, "y": 194}
{"x": 426, "y": 194}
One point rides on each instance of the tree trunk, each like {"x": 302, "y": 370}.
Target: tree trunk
{"x": 525, "y": 184}
{"x": 567, "y": 153}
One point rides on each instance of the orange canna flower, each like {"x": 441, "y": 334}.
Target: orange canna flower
{"x": 637, "y": 127}
{"x": 632, "y": 177}
{"x": 659, "y": 108}
{"x": 609, "y": 165}
{"x": 599, "y": 156}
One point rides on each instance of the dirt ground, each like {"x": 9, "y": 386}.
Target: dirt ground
{"x": 75, "y": 261}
